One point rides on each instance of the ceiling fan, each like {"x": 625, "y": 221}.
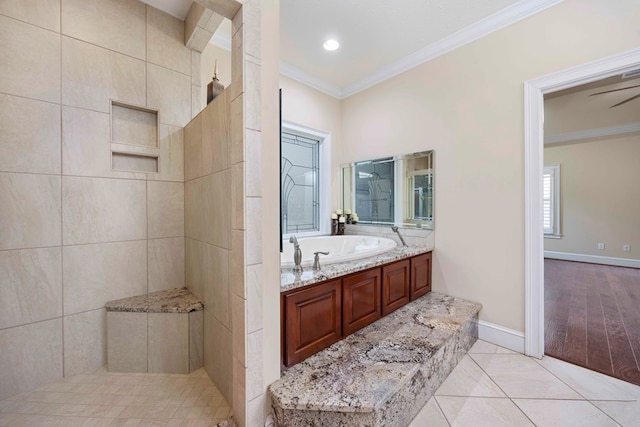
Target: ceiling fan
{"x": 627, "y": 75}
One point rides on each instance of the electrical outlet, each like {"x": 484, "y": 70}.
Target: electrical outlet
{"x": 626, "y": 248}
{"x": 600, "y": 246}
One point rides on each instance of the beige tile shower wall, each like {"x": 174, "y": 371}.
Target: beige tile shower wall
{"x": 207, "y": 215}
{"x": 249, "y": 398}
{"x": 241, "y": 344}
{"x": 74, "y": 233}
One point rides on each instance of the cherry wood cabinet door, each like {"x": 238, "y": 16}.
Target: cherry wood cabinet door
{"x": 395, "y": 286}
{"x": 313, "y": 320}
{"x": 361, "y": 303}
{"x": 420, "y": 275}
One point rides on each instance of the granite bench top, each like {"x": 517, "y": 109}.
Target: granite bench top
{"x": 177, "y": 300}
{"x": 290, "y": 280}
{"x": 364, "y": 370}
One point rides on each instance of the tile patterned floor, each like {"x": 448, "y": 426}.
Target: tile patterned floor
{"x": 116, "y": 399}
{"x": 491, "y": 386}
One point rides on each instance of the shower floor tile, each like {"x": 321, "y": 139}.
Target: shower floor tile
{"x": 118, "y": 399}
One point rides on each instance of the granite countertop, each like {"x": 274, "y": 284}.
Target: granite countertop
{"x": 177, "y": 300}
{"x": 290, "y": 280}
{"x": 364, "y": 370}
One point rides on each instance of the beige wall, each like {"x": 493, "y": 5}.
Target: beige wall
{"x": 75, "y": 234}
{"x": 574, "y": 113}
{"x": 305, "y": 106}
{"x": 599, "y": 200}
{"x": 467, "y": 105}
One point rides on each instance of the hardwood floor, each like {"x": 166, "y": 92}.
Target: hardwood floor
{"x": 592, "y": 317}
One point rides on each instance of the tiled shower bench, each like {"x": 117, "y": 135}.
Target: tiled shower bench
{"x": 383, "y": 374}
{"x": 156, "y": 332}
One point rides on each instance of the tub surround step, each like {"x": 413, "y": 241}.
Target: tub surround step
{"x": 383, "y": 374}
{"x": 290, "y": 280}
{"x": 177, "y": 300}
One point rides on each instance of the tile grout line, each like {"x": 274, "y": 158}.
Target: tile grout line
{"x": 14, "y": 95}
{"x": 118, "y": 178}
{"x": 61, "y": 199}
{"x": 584, "y": 398}
{"x": 435, "y": 398}
{"x": 501, "y": 389}
{"x": 31, "y": 24}
{"x": 88, "y": 244}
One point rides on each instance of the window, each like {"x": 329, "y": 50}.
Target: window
{"x": 303, "y": 180}
{"x": 551, "y": 200}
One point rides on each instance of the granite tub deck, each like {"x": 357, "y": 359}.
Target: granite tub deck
{"x": 156, "y": 332}
{"x": 290, "y": 280}
{"x": 383, "y": 374}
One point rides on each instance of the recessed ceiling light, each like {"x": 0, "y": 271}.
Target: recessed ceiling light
{"x": 331, "y": 44}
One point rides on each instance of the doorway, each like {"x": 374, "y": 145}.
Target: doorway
{"x": 534, "y": 160}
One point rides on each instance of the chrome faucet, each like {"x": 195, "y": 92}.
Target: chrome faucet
{"x": 297, "y": 254}
{"x": 395, "y": 229}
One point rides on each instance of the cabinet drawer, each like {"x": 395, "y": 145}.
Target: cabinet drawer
{"x": 360, "y": 300}
{"x": 420, "y": 275}
{"x": 395, "y": 286}
{"x": 313, "y": 320}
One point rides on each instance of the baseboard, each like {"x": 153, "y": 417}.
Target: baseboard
{"x": 593, "y": 259}
{"x": 499, "y": 335}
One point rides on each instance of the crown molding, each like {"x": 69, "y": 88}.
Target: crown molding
{"x": 507, "y": 16}
{"x": 309, "y": 80}
{"x": 591, "y": 133}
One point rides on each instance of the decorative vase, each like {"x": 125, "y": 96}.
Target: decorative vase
{"x": 214, "y": 88}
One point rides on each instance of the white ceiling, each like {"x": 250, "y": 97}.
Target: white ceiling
{"x": 372, "y": 33}
{"x": 378, "y": 38}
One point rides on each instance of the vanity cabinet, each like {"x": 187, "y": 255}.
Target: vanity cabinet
{"x": 313, "y": 320}
{"x": 360, "y": 300}
{"x": 420, "y": 275}
{"x": 318, "y": 315}
{"x": 395, "y": 286}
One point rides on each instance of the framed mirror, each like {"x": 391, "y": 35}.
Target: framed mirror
{"x": 394, "y": 190}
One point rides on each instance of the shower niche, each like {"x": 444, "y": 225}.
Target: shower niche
{"x": 134, "y": 138}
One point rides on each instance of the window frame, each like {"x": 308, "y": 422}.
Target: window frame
{"x": 324, "y": 172}
{"x": 554, "y": 231}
